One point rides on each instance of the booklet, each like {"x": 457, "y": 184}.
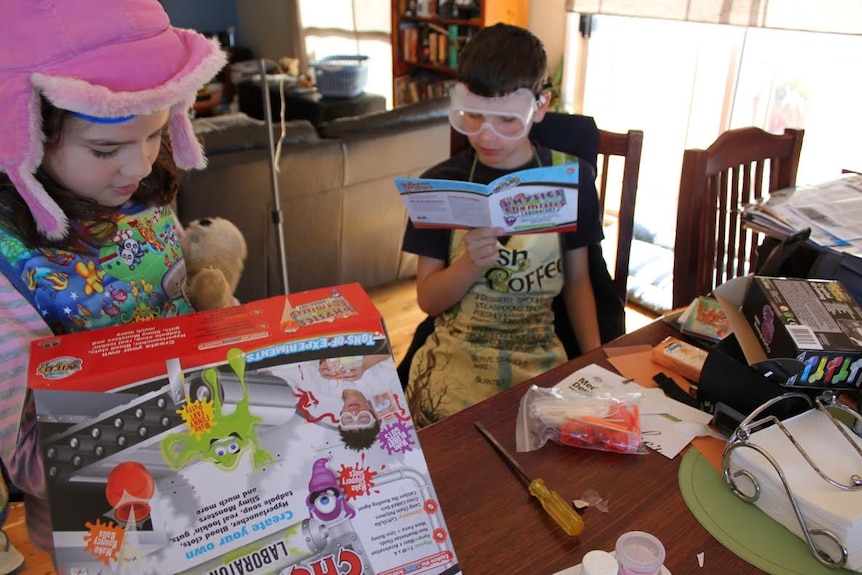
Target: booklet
{"x": 705, "y": 319}
{"x": 534, "y": 200}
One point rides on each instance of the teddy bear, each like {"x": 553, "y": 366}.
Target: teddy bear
{"x": 214, "y": 251}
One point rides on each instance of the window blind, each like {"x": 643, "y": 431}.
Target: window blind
{"x": 836, "y": 16}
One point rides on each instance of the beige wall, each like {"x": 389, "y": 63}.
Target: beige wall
{"x": 264, "y": 27}
{"x": 548, "y": 22}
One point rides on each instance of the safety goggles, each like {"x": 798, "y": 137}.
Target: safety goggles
{"x": 361, "y": 420}
{"x": 508, "y": 116}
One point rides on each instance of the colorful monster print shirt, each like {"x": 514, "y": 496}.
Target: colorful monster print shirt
{"x": 138, "y": 276}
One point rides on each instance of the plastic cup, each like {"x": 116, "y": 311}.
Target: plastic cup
{"x": 599, "y": 563}
{"x": 639, "y": 553}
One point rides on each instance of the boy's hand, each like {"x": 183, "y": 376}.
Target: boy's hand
{"x": 481, "y": 244}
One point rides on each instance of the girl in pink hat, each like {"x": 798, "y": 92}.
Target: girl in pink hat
{"x": 95, "y": 97}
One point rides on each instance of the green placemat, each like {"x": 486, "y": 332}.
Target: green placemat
{"x": 741, "y": 526}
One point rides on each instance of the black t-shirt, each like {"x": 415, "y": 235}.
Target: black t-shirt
{"x": 434, "y": 243}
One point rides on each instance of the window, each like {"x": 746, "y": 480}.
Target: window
{"x": 683, "y": 83}
{"x": 348, "y": 27}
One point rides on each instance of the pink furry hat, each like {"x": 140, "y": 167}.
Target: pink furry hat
{"x": 101, "y": 58}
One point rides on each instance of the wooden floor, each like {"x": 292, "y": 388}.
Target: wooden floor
{"x": 35, "y": 562}
{"x": 397, "y": 304}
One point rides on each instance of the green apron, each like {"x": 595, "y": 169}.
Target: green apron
{"x": 499, "y": 335}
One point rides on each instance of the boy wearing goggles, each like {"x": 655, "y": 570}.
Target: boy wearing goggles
{"x": 491, "y": 295}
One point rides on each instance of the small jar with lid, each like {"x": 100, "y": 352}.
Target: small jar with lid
{"x": 599, "y": 563}
{"x": 639, "y": 553}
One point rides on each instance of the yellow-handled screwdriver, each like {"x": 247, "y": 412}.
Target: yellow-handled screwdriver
{"x": 563, "y": 515}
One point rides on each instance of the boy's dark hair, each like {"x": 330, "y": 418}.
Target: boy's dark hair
{"x": 157, "y": 189}
{"x": 359, "y": 439}
{"x": 502, "y": 58}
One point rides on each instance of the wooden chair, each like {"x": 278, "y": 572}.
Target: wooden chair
{"x": 628, "y": 146}
{"x": 741, "y": 166}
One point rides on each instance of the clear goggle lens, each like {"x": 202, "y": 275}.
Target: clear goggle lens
{"x": 509, "y": 117}
{"x": 362, "y": 420}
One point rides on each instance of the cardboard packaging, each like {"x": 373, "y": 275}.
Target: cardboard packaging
{"x": 684, "y": 358}
{"x": 802, "y": 332}
{"x": 271, "y": 437}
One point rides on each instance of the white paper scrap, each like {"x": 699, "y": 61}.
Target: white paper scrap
{"x": 590, "y": 379}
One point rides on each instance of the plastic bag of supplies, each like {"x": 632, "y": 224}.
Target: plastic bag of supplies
{"x": 606, "y": 421}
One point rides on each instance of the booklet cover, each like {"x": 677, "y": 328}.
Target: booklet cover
{"x": 534, "y": 200}
{"x": 266, "y": 438}
{"x": 705, "y": 319}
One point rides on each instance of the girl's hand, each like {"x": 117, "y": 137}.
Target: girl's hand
{"x": 481, "y": 244}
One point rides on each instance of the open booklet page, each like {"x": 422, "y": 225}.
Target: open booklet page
{"x": 537, "y": 199}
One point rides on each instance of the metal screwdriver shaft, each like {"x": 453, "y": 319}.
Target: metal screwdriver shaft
{"x": 562, "y": 514}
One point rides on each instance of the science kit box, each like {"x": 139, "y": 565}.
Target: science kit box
{"x": 814, "y": 324}
{"x": 271, "y": 437}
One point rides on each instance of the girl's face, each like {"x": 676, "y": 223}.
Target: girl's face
{"x": 106, "y": 162}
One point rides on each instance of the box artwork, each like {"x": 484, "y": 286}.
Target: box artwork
{"x": 271, "y": 437}
{"x": 816, "y": 322}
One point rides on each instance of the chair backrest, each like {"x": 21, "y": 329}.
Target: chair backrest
{"x": 628, "y": 146}
{"x": 740, "y": 167}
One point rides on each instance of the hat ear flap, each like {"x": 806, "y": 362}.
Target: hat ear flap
{"x": 50, "y": 219}
{"x": 188, "y": 151}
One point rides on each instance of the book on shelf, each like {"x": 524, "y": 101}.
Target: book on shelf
{"x": 454, "y": 46}
{"x": 409, "y": 89}
{"x": 704, "y": 319}
{"x": 428, "y": 43}
{"x": 527, "y": 201}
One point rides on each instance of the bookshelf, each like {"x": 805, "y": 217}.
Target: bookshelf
{"x": 427, "y": 35}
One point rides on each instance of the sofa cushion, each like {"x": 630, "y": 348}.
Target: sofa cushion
{"x": 650, "y": 283}
{"x": 427, "y": 111}
{"x": 651, "y": 225}
{"x": 240, "y": 132}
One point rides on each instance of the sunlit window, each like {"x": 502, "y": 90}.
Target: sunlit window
{"x": 683, "y": 83}
{"x": 350, "y": 27}
{"x": 804, "y": 80}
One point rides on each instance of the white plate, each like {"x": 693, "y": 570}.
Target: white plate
{"x": 578, "y": 570}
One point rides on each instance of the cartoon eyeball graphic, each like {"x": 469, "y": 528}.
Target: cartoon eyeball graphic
{"x": 327, "y": 501}
{"x": 223, "y": 450}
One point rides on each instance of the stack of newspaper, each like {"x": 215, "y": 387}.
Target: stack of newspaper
{"x": 832, "y": 210}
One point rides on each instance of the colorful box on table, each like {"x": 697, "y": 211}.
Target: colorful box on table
{"x": 816, "y": 322}
{"x": 815, "y": 325}
{"x": 239, "y": 441}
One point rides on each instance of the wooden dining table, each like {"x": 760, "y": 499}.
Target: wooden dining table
{"x": 498, "y": 528}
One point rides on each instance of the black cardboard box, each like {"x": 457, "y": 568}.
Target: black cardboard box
{"x": 813, "y": 324}
{"x": 727, "y": 379}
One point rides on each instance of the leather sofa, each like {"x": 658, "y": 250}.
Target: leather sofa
{"x": 341, "y": 216}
